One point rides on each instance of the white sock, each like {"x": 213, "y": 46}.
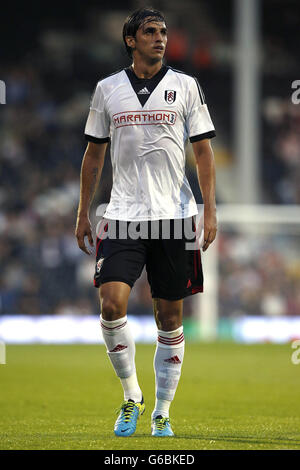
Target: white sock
{"x": 167, "y": 366}
{"x": 121, "y": 352}
{"x": 131, "y": 388}
{"x": 161, "y": 408}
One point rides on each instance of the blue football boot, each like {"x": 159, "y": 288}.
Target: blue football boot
{"x": 129, "y": 412}
{"x": 161, "y": 427}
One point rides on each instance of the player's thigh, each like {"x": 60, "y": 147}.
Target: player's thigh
{"x": 173, "y": 268}
{"x": 167, "y": 269}
{"x": 120, "y": 260}
{"x": 119, "y": 263}
{"x": 168, "y": 313}
{"x": 114, "y": 299}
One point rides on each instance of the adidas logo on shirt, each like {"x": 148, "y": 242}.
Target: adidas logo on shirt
{"x": 144, "y": 91}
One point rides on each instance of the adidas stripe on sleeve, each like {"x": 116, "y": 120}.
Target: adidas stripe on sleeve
{"x": 198, "y": 122}
{"x": 98, "y": 122}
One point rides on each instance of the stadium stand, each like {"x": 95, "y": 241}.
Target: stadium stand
{"x": 49, "y": 85}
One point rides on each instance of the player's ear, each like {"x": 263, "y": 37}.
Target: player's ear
{"x": 130, "y": 41}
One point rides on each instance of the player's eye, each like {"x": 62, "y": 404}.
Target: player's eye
{"x": 153, "y": 30}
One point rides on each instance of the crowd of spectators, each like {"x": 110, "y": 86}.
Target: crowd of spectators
{"x": 281, "y": 163}
{"x": 259, "y": 274}
{"x": 42, "y": 144}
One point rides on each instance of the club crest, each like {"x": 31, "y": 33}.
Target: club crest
{"x": 170, "y": 96}
{"x": 99, "y": 265}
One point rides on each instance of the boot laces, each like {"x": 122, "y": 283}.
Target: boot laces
{"x": 128, "y": 408}
{"x": 161, "y": 423}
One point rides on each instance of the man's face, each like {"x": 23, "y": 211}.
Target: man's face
{"x": 150, "y": 40}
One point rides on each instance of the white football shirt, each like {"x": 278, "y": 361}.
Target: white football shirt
{"x": 148, "y": 122}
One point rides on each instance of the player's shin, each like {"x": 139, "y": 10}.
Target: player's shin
{"x": 167, "y": 366}
{"x": 121, "y": 352}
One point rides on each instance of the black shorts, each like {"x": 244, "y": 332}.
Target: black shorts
{"x": 173, "y": 271}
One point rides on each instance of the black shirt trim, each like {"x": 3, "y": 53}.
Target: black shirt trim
{"x": 96, "y": 140}
{"x": 138, "y": 84}
{"x": 201, "y": 93}
{"x": 206, "y": 135}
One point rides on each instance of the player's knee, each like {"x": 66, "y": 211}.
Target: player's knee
{"x": 168, "y": 320}
{"x": 111, "y": 309}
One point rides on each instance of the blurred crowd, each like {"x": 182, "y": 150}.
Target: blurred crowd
{"x": 281, "y": 163}
{"x": 42, "y": 144}
{"x": 259, "y": 274}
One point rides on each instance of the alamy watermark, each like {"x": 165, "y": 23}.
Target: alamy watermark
{"x": 191, "y": 229}
{"x": 296, "y": 93}
{"x": 2, "y": 352}
{"x": 296, "y": 354}
{"x": 2, "y": 92}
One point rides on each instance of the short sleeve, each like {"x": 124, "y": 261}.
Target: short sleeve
{"x": 198, "y": 121}
{"x": 97, "y": 124}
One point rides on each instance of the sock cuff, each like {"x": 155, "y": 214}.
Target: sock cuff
{"x": 174, "y": 339}
{"x": 171, "y": 334}
{"x": 112, "y": 327}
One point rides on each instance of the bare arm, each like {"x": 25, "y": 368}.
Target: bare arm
{"x": 90, "y": 174}
{"x": 207, "y": 181}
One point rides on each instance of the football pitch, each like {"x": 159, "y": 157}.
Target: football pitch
{"x": 230, "y": 396}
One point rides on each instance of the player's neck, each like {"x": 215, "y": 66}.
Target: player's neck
{"x": 145, "y": 70}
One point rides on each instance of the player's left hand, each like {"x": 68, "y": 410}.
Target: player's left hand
{"x": 83, "y": 229}
{"x": 210, "y": 226}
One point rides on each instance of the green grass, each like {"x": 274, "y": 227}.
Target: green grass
{"x": 230, "y": 397}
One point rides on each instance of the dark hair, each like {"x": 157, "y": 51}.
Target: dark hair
{"x": 134, "y": 21}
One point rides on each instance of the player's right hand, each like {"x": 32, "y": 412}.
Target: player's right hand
{"x": 83, "y": 229}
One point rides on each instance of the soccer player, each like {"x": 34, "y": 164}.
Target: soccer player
{"x": 147, "y": 111}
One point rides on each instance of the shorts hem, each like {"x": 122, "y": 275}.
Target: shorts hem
{"x": 168, "y": 297}
{"x": 114, "y": 279}
{"x": 197, "y": 290}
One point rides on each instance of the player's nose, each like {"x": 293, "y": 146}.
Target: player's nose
{"x": 159, "y": 38}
